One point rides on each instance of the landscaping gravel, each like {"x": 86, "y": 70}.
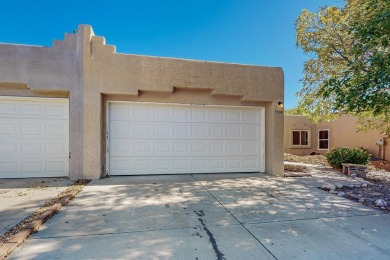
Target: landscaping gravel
{"x": 373, "y": 192}
{"x": 376, "y": 190}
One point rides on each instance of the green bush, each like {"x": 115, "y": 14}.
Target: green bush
{"x": 340, "y": 155}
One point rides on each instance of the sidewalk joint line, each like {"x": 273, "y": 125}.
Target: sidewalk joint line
{"x": 236, "y": 219}
{"x": 129, "y": 232}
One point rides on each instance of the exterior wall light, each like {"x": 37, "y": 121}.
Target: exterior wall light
{"x": 281, "y": 104}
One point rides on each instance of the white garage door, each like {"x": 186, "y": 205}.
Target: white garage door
{"x": 34, "y": 137}
{"x": 150, "y": 138}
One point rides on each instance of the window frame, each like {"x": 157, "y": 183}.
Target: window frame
{"x": 318, "y": 139}
{"x": 308, "y": 145}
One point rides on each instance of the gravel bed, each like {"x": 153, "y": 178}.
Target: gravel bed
{"x": 375, "y": 193}
{"x": 376, "y": 190}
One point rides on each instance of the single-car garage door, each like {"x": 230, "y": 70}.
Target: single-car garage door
{"x": 151, "y": 138}
{"x": 34, "y": 137}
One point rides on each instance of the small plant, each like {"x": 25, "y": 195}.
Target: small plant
{"x": 340, "y": 155}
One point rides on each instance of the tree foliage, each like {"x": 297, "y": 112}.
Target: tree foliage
{"x": 293, "y": 111}
{"x": 348, "y": 71}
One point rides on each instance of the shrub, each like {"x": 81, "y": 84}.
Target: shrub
{"x": 340, "y": 155}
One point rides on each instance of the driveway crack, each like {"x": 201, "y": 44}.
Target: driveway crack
{"x": 219, "y": 254}
{"x": 242, "y": 225}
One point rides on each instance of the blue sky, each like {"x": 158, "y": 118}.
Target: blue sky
{"x": 257, "y": 32}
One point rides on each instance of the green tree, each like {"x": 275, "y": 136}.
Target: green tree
{"x": 348, "y": 71}
{"x": 293, "y": 111}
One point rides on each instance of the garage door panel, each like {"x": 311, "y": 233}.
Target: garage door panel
{"x": 199, "y": 165}
{"x": 143, "y": 147}
{"x": 8, "y": 167}
{"x": 149, "y": 138}
{"x": 8, "y": 148}
{"x": 123, "y": 147}
{"x": 250, "y": 163}
{"x": 142, "y": 130}
{"x": 233, "y": 164}
{"x": 56, "y": 128}
{"x": 8, "y": 128}
{"x": 161, "y": 113}
{"x": 251, "y": 116}
{"x": 250, "y": 148}
{"x": 182, "y": 131}
{"x": 250, "y": 132}
{"x": 162, "y": 148}
{"x": 34, "y": 135}
{"x": 34, "y": 167}
{"x": 35, "y": 149}
{"x": 199, "y": 131}
{"x": 118, "y": 147}
{"x": 31, "y": 109}
{"x": 57, "y": 110}
{"x": 179, "y": 165}
{"x": 181, "y": 114}
{"x": 33, "y": 128}
{"x": 9, "y": 108}
{"x": 39, "y": 108}
{"x": 120, "y": 129}
{"x": 157, "y": 113}
{"x": 162, "y": 130}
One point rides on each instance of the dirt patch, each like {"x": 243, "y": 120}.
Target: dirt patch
{"x": 74, "y": 188}
{"x": 295, "y": 168}
{"x": 308, "y": 159}
{"x": 30, "y": 187}
{"x": 379, "y": 165}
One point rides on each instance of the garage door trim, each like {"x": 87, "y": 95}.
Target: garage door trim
{"x": 261, "y": 135}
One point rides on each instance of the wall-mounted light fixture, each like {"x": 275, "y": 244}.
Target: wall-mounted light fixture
{"x": 281, "y": 104}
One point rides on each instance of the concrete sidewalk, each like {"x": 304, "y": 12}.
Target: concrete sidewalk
{"x": 211, "y": 216}
{"x": 21, "y": 197}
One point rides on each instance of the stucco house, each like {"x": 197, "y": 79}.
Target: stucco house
{"x": 301, "y": 137}
{"x": 81, "y": 110}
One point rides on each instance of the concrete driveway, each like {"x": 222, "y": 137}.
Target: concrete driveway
{"x": 19, "y": 198}
{"x": 218, "y": 216}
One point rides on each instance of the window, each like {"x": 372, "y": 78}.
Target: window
{"x": 300, "y": 138}
{"x": 323, "y": 139}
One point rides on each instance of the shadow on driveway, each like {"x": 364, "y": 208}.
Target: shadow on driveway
{"x": 21, "y": 197}
{"x": 210, "y": 216}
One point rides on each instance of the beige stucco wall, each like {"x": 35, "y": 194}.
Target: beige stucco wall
{"x": 90, "y": 72}
{"x": 49, "y": 72}
{"x": 343, "y": 133}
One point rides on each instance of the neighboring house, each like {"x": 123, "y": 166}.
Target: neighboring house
{"x": 80, "y": 109}
{"x": 301, "y": 137}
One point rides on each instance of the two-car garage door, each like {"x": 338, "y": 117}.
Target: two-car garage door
{"x": 151, "y": 138}
{"x": 34, "y": 137}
